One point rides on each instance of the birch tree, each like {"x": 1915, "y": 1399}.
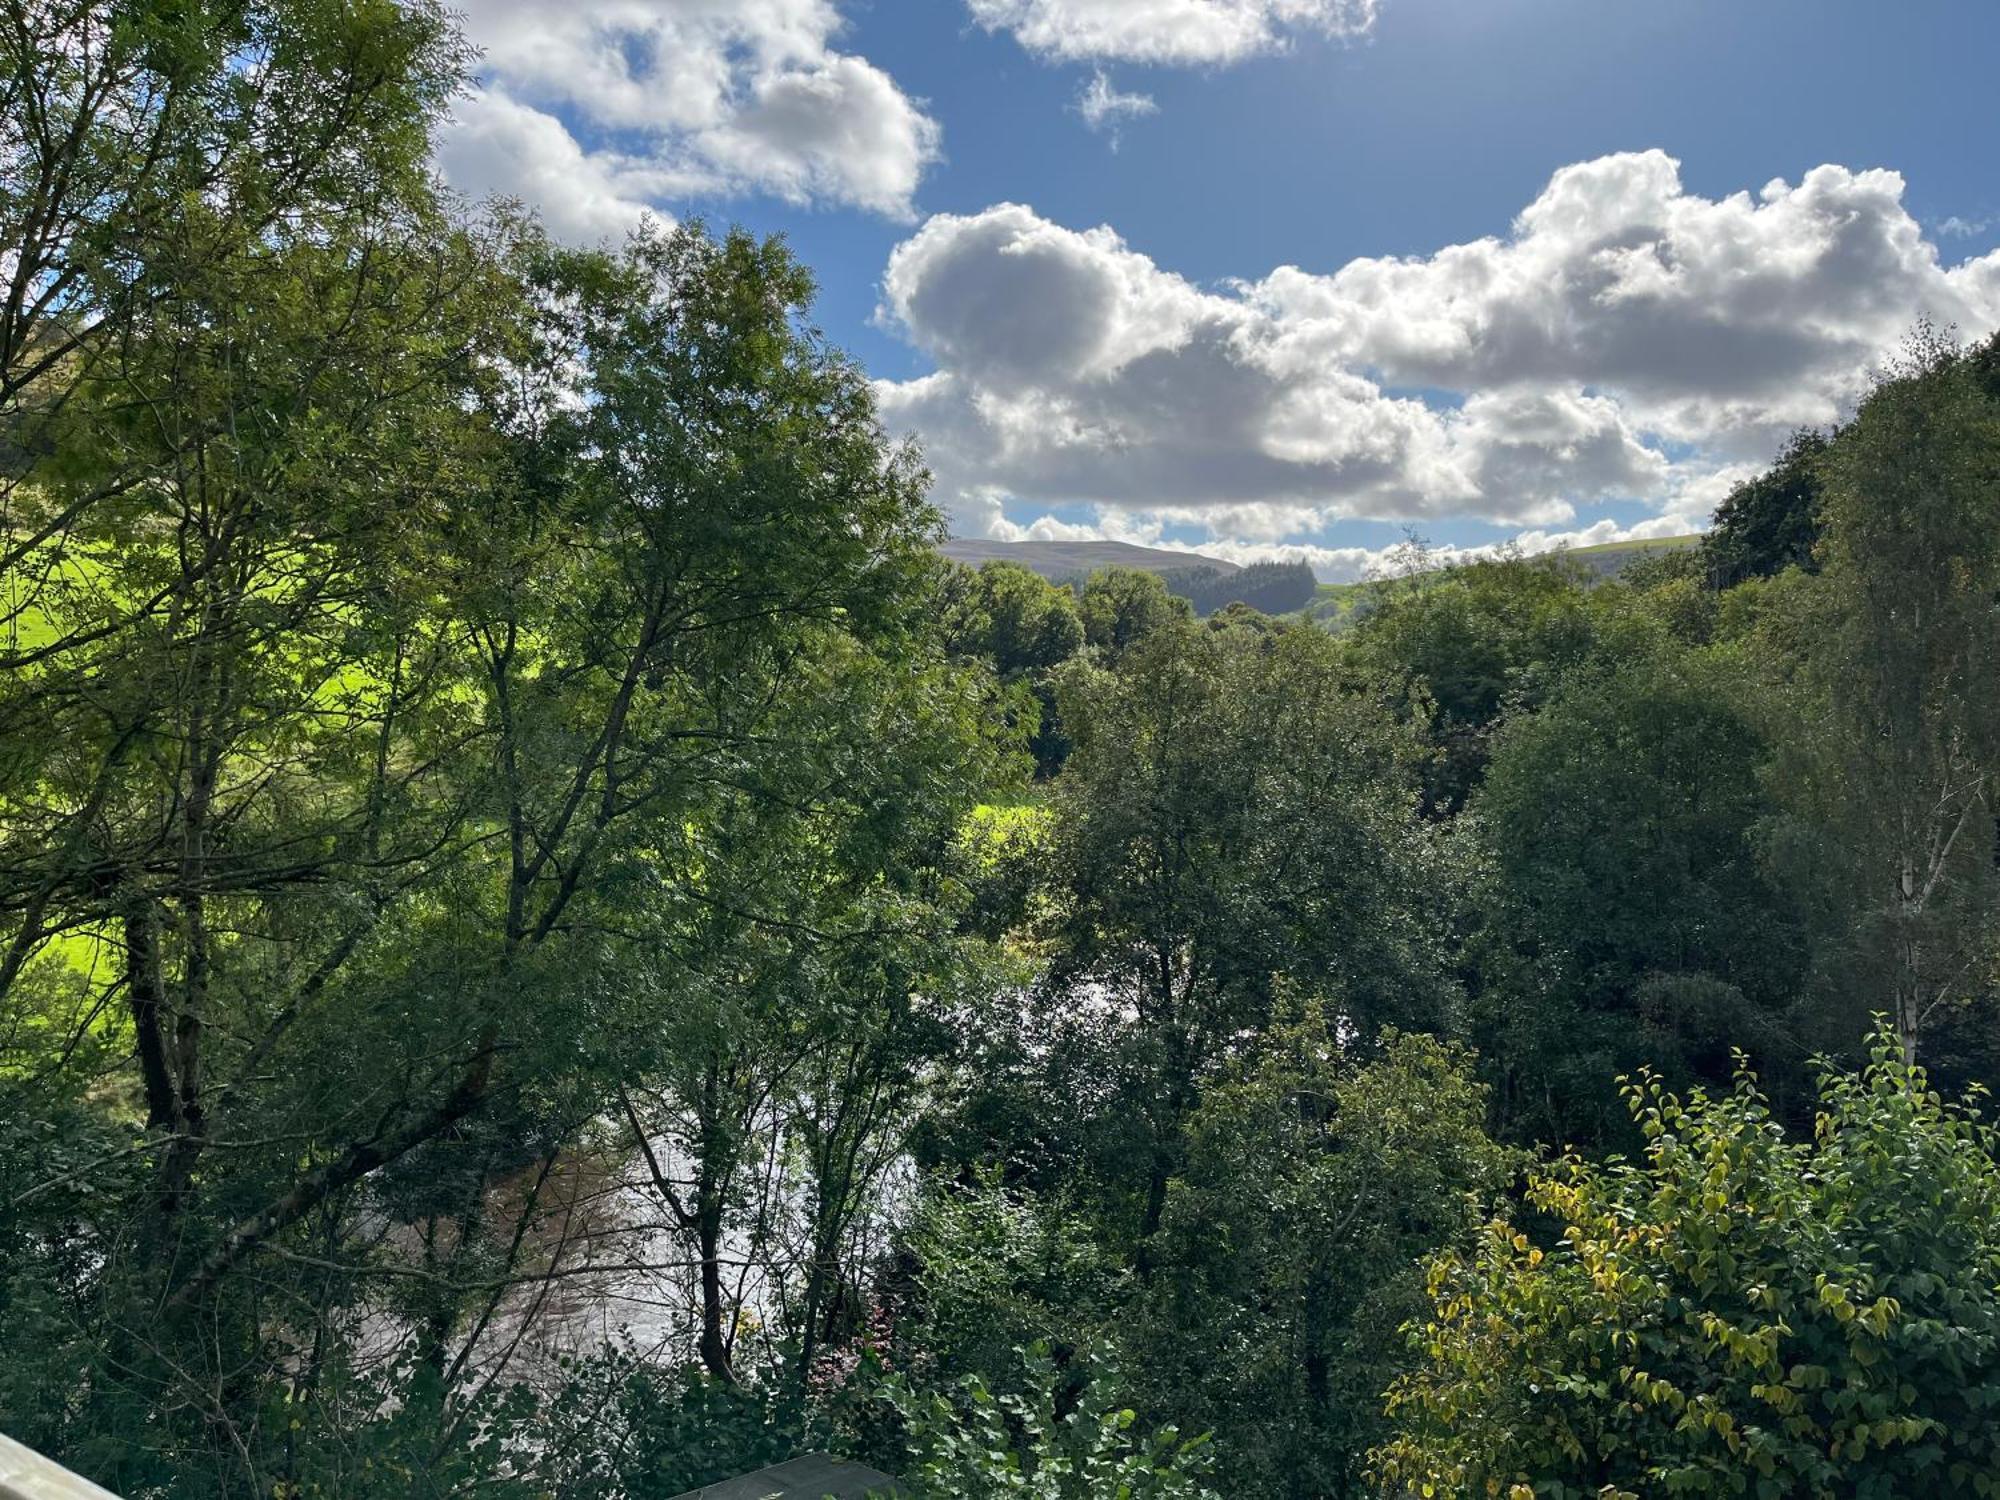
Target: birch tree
{"x": 1898, "y": 646}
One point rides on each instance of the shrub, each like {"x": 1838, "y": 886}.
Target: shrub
{"x": 1739, "y": 1313}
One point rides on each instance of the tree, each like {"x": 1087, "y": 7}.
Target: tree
{"x": 1235, "y": 810}
{"x": 246, "y": 347}
{"x": 1736, "y": 1313}
{"x": 619, "y": 1425}
{"x": 460, "y": 613}
{"x": 1292, "y": 1247}
{"x": 989, "y": 1270}
{"x": 143, "y": 148}
{"x": 1774, "y": 521}
{"x": 1121, "y": 606}
{"x": 1012, "y": 616}
{"x": 780, "y": 1085}
{"x": 1272, "y": 588}
{"x": 1024, "y": 627}
{"x": 1460, "y": 647}
{"x": 1627, "y": 910}
{"x": 1884, "y": 666}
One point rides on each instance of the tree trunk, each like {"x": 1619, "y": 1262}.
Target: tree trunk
{"x": 714, "y": 1343}
{"x": 145, "y": 990}
{"x": 1909, "y": 1016}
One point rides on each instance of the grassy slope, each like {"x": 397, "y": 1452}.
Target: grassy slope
{"x": 1642, "y": 544}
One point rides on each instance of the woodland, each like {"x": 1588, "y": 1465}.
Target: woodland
{"x": 550, "y": 945}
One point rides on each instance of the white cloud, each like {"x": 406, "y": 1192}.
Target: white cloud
{"x": 1169, "y": 31}
{"x": 497, "y": 147}
{"x": 1708, "y": 317}
{"x": 1104, "y": 108}
{"x": 1627, "y": 339}
{"x": 592, "y": 108}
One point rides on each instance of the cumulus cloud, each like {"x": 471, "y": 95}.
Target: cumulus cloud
{"x": 1105, "y": 108}
{"x": 594, "y": 108}
{"x": 1627, "y": 339}
{"x": 497, "y": 147}
{"x": 1168, "y": 31}
{"x": 1709, "y": 317}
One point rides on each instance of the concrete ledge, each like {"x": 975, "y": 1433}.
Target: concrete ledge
{"x": 813, "y": 1476}
{"x": 26, "y": 1475}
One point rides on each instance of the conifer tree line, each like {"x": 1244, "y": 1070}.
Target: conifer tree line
{"x": 551, "y": 946}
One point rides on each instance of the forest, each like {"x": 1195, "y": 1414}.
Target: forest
{"x": 550, "y": 946}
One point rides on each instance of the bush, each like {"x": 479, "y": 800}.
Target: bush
{"x": 1739, "y": 1313}
{"x": 1068, "y": 1436}
{"x": 624, "y": 1428}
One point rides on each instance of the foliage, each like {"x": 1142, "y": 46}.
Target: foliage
{"x": 624, "y": 1428}
{"x": 1234, "y": 810}
{"x": 1023, "y": 626}
{"x": 1466, "y": 646}
{"x": 608, "y": 1426}
{"x": 1012, "y": 617}
{"x": 1628, "y": 913}
{"x": 150, "y": 150}
{"x": 1293, "y": 1242}
{"x": 1774, "y": 521}
{"x": 1881, "y": 664}
{"x": 414, "y": 1439}
{"x": 991, "y": 1270}
{"x": 1738, "y": 1313}
{"x": 1066, "y": 1436}
{"x": 441, "y": 662}
{"x": 1122, "y": 606}
{"x": 504, "y": 816}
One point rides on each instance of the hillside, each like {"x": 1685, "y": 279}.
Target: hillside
{"x": 1607, "y": 559}
{"x": 1071, "y": 559}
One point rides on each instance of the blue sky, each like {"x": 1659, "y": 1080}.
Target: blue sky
{"x": 1616, "y": 337}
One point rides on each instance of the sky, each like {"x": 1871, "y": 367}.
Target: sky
{"x": 1299, "y": 279}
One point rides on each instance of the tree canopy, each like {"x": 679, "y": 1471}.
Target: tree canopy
{"x": 551, "y": 945}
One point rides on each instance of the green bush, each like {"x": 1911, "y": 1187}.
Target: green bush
{"x": 1739, "y": 1313}
{"x": 1067, "y": 1436}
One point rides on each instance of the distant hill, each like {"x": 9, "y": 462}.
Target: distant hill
{"x": 1072, "y": 559}
{"x": 1334, "y": 603}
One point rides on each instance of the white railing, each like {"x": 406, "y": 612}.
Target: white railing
{"x": 26, "y": 1475}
